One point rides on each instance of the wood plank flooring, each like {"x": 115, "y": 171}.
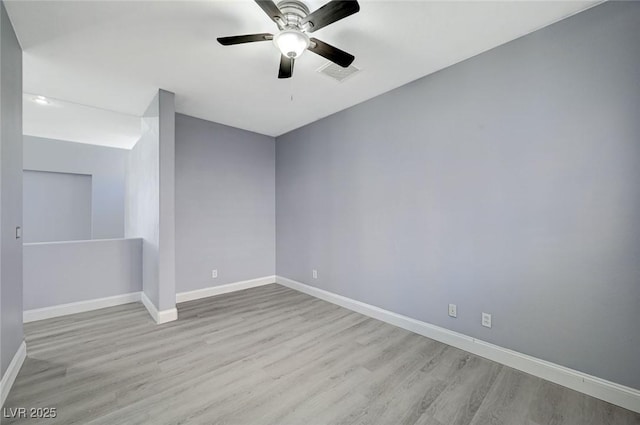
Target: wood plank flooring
{"x": 271, "y": 355}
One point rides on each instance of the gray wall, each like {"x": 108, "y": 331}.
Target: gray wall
{"x": 225, "y": 204}
{"x": 11, "y": 335}
{"x": 106, "y": 167}
{"x": 65, "y": 272}
{"x": 56, "y": 206}
{"x": 150, "y": 202}
{"x": 506, "y": 184}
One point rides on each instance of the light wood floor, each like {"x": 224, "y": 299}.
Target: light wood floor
{"x": 270, "y": 355}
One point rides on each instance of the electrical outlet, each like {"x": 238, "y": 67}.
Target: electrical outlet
{"x": 314, "y": 273}
{"x": 453, "y": 310}
{"x": 214, "y": 274}
{"x": 486, "y": 320}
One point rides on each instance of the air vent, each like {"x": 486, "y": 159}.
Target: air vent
{"x": 337, "y": 72}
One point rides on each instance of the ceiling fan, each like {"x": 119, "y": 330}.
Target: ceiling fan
{"x": 294, "y": 22}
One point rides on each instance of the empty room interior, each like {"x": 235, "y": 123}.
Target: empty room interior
{"x": 313, "y": 212}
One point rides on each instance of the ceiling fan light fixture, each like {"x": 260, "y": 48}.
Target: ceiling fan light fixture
{"x": 292, "y": 43}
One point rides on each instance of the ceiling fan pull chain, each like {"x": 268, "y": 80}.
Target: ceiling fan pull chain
{"x": 291, "y": 88}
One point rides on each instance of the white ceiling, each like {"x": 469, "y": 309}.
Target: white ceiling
{"x": 79, "y": 123}
{"x": 115, "y": 55}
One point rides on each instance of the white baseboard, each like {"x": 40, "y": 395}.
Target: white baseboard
{"x": 159, "y": 316}
{"x": 617, "y": 394}
{"x": 162, "y": 316}
{"x": 223, "y": 289}
{"x": 78, "y": 307}
{"x": 10, "y": 374}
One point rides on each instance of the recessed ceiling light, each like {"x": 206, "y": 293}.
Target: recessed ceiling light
{"x": 41, "y": 100}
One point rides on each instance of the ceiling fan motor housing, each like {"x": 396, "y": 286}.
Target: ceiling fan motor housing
{"x": 294, "y": 12}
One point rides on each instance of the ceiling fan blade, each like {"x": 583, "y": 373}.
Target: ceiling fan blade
{"x": 249, "y": 38}
{"x": 286, "y": 67}
{"x": 334, "y": 54}
{"x": 272, "y": 11}
{"x": 330, "y": 13}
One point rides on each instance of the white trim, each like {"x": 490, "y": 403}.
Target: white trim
{"x": 224, "y": 289}
{"x": 617, "y": 394}
{"x": 80, "y": 241}
{"x": 78, "y": 307}
{"x": 160, "y": 317}
{"x": 166, "y": 316}
{"x": 10, "y": 374}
